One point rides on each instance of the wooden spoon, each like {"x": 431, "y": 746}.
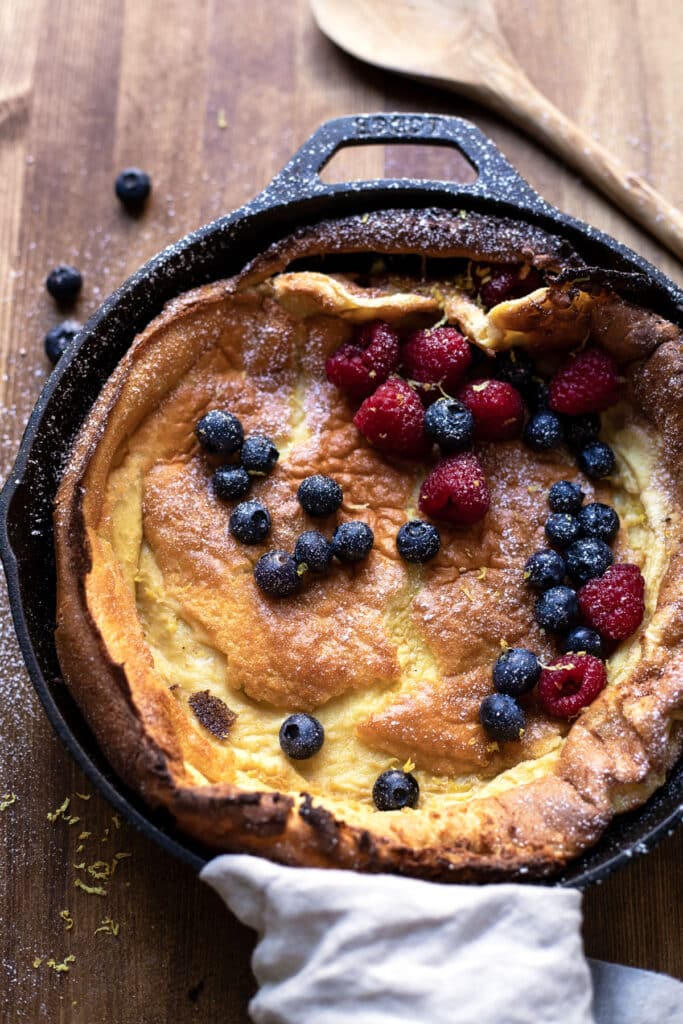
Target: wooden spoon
{"x": 457, "y": 44}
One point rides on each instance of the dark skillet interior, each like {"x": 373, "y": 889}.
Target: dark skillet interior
{"x": 296, "y": 197}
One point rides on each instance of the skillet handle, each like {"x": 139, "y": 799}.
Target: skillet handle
{"x": 497, "y": 179}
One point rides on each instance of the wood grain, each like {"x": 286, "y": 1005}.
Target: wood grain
{"x": 85, "y": 89}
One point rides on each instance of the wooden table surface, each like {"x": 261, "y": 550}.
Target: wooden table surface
{"x": 211, "y": 98}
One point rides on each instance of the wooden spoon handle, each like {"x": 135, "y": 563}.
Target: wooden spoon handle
{"x": 516, "y": 98}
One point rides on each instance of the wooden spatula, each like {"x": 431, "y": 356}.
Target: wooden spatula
{"x": 457, "y": 44}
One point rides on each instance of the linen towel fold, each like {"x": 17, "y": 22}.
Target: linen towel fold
{"x": 336, "y": 946}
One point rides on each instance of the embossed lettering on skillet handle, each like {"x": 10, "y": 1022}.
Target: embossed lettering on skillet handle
{"x": 496, "y": 178}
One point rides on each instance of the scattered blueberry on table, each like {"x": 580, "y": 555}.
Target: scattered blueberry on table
{"x": 133, "y": 186}
{"x": 64, "y": 283}
{"x": 58, "y": 338}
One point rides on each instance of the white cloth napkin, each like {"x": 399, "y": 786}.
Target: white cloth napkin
{"x": 335, "y": 947}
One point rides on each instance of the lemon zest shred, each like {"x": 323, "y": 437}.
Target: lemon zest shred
{"x": 67, "y": 919}
{"x": 108, "y": 926}
{"x": 99, "y": 869}
{"x": 7, "y": 799}
{"x": 118, "y": 857}
{"x": 64, "y": 966}
{"x": 59, "y": 812}
{"x": 92, "y": 890}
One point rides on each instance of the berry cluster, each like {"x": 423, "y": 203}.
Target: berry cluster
{"x": 604, "y": 604}
{"x": 414, "y": 393}
{"x": 277, "y": 573}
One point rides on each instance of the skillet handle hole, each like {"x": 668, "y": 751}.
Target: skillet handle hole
{"x": 427, "y": 161}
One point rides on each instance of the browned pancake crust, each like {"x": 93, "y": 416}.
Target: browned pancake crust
{"x": 616, "y": 753}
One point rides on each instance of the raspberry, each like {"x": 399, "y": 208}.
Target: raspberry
{"x": 509, "y": 282}
{"x": 571, "y": 683}
{"x": 615, "y": 603}
{"x": 587, "y": 383}
{"x": 393, "y": 419}
{"x": 456, "y": 490}
{"x": 497, "y": 408}
{"x": 359, "y": 365}
{"x": 439, "y": 356}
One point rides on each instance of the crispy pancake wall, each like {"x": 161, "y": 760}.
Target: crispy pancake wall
{"x": 158, "y": 612}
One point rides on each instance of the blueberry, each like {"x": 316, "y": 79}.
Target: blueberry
{"x": 319, "y": 495}
{"x": 516, "y": 671}
{"x": 564, "y": 496}
{"x": 352, "y": 541}
{"x": 132, "y": 186}
{"x": 395, "y": 789}
{"x": 557, "y": 610}
{"x": 599, "y": 520}
{"x": 501, "y": 717}
{"x": 583, "y": 639}
{"x": 450, "y": 424}
{"x": 64, "y": 283}
{"x": 250, "y": 522}
{"x": 259, "y": 454}
{"x": 219, "y": 432}
{"x": 276, "y": 573}
{"x": 562, "y": 529}
{"x": 597, "y": 460}
{"x": 587, "y": 559}
{"x": 580, "y": 431}
{"x": 543, "y": 432}
{"x": 514, "y": 367}
{"x": 301, "y": 736}
{"x": 418, "y": 541}
{"x": 314, "y": 551}
{"x": 230, "y": 482}
{"x": 57, "y": 339}
{"x": 544, "y": 569}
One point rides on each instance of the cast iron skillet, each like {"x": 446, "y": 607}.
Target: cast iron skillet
{"x": 296, "y": 196}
